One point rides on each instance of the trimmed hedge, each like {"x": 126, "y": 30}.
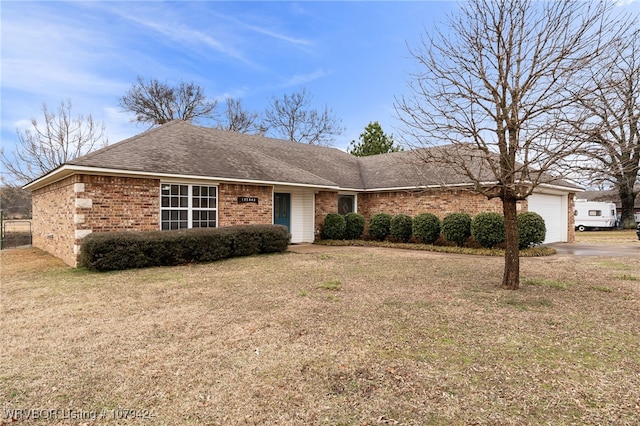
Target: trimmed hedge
{"x": 379, "y": 226}
{"x": 426, "y": 227}
{"x": 456, "y": 227}
{"x": 334, "y": 226}
{"x": 106, "y": 251}
{"x": 531, "y": 229}
{"x": 354, "y": 226}
{"x": 488, "y": 229}
{"x": 401, "y": 227}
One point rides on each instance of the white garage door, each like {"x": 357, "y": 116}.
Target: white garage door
{"x": 553, "y": 209}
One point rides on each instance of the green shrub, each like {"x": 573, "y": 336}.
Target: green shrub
{"x": 426, "y": 227}
{"x": 107, "y": 251}
{"x": 401, "y": 227}
{"x": 354, "y": 226}
{"x": 456, "y": 227}
{"x": 488, "y": 229}
{"x": 379, "y": 226}
{"x": 531, "y": 229}
{"x": 334, "y": 226}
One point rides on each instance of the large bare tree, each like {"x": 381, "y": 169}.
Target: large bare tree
{"x": 609, "y": 124}
{"x": 48, "y": 144}
{"x": 292, "y": 119}
{"x": 494, "y": 84}
{"x": 155, "y": 103}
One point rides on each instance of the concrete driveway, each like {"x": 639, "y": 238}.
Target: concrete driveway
{"x": 610, "y": 250}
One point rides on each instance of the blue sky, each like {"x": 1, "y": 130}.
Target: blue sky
{"x": 351, "y": 56}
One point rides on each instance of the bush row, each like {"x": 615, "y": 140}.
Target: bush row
{"x": 485, "y": 228}
{"x": 125, "y": 250}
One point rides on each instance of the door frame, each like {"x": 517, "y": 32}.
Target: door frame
{"x": 286, "y": 198}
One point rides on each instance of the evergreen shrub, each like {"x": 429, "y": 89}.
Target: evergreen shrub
{"x": 531, "y": 229}
{"x": 354, "y": 226}
{"x": 379, "y": 226}
{"x": 426, "y": 227}
{"x": 401, "y": 227}
{"x": 107, "y": 251}
{"x": 456, "y": 227}
{"x": 334, "y": 226}
{"x": 488, "y": 229}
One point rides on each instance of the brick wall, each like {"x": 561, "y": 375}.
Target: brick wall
{"x": 571, "y": 235}
{"x": 118, "y": 204}
{"x": 440, "y": 203}
{"x": 52, "y": 226}
{"x": 230, "y": 212}
{"x": 326, "y": 202}
{"x": 67, "y": 211}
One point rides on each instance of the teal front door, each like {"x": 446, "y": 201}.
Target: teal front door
{"x": 282, "y": 209}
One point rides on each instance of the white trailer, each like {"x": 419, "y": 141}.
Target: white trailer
{"x": 594, "y": 215}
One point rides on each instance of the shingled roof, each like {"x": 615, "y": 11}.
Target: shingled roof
{"x": 183, "y": 149}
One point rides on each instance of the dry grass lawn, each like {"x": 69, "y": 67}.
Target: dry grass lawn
{"x": 335, "y": 336}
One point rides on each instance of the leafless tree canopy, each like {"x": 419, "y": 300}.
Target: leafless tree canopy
{"x": 157, "y": 103}
{"x": 500, "y": 79}
{"x": 608, "y": 122}
{"x": 290, "y": 118}
{"x": 237, "y": 119}
{"x": 49, "y": 144}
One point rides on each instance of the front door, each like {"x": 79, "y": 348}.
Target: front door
{"x": 282, "y": 209}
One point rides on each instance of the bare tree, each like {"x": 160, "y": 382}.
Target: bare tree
{"x": 237, "y": 119}
{"x": 59, "y": 139}
{"x": 608, "y": 121}
{"x": 494, "y": 86}
{"x": 290, "y": 118}
{"x": 157, "y": 103}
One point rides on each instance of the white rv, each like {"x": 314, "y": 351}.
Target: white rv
{"x": 594, "y": 215}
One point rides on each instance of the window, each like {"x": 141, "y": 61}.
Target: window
{"x": 188, "y": 206}
{"x": 346, "y": 204}
{"x": 595, "y": 212}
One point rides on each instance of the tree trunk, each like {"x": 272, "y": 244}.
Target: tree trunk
{"x": 627, "y": 198}
{"x": 511, "y": 278}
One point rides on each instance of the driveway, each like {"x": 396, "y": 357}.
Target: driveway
{"x": 587, "y": 249}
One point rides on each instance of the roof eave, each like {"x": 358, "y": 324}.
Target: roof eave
{"x": 67, "y": 170}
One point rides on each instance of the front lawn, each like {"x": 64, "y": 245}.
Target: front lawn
{"x": 339, "y": 335}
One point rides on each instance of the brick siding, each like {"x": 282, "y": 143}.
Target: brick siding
{"x": 326, "y": 202}
{"x": 52, "y": 226}
{"x": 230, "y": 212}
{"x": 440, "y": 203}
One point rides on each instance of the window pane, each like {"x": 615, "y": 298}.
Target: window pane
{"x": 196, "y": 191}
{"x": 345, "y": 204}
{"x": 184, "y": 202}
{"x": 184, "y": 190}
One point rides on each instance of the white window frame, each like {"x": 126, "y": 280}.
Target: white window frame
{"x": 189, "y": 209}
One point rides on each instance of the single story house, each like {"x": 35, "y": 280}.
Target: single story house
{"x": 183, "y": 176}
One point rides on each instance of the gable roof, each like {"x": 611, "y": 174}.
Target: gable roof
{"x": 181, "y": 149}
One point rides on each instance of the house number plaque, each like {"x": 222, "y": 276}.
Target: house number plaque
{"x": 242, "y": 200}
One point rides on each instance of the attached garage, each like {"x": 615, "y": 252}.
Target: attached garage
{"x": 554, "y": 210}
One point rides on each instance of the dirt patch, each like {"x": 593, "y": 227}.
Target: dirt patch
{"x": 341, "y": 336}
